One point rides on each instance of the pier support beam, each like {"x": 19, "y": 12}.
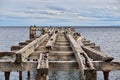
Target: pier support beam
{"x": 7, "y": 75}
{"x": 42, "y": 74}
{"x": 106, "y": 75}
{"x": 90, "y": 75}
{"x": 20, "y": 75}
{"x": 28, "y": 74}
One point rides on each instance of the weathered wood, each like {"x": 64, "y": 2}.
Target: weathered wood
{"x": 89, "y": 44}
{"x": 106, "y": 75}
{"x": 61, "y": 53}
{"x": 23, "y": 43}
{"x": 28, "y": 74}
{"x": 29, "y": 40}
{"x": 80, "y": 42}
{"x": 24, "y": 66}
{"x": 77, "y": 53}
{"x": 106, "y": 66}
{"x": 20, "y": 75}
{"x": 51, "y": 42}
{"x": 16, "y": 48}
{"x": 7, "y": 75}
{"x": 42, "y": 68}
{"x": 77, "y": 46}
{"x": 29, "y": 49}
{"x": 6, "y": 54}
{"x": 63, "y": 65}
{"x": 32, "y": 32}
{"x": 69, "y": 51}
{"x": 95, "y": 54}
{"x": 90, "y": 75}
{"x": 96, "y": 48}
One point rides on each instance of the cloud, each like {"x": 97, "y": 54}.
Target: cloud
{"x": 60, "y": 11}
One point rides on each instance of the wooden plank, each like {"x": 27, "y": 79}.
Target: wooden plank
{"x": 42, "y": 68}
{"x": 77, "y": 53}
{"x": 92, "y": 53}
{"x": 39, "y": 61}
{"x": 29, "y": 49}
{"x": 63, "y": 65}
{"x": 23, "y": 43}
{"x": 106, "y": 66}
{"x": 96, "y": 55}
{"x": 16, "y": 48}
{"x": 61, "y": 53}
{"x": 58, "y": 65}
{"x": 2, "y": 54}
{"x": 87, "y": 59}
{"x": 96, "y": 48}
{"x": 43, "y": 61}
{"x": 90, "y": 75}
{"x": 12, "y": 66}
{"x": 51, "y": 42}
{"x": 80, "y": 40}
{"x": 89, "y": 44}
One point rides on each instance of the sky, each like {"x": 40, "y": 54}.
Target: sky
{"x": 60, "y": 12}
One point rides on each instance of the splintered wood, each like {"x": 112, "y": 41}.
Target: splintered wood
{"x": 57, "y": 49}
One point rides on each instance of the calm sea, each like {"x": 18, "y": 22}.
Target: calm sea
{"x": 107, "y": 38}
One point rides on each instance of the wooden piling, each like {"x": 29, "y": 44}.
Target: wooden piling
{"x": 90, "y": 75}
{"x": 20, "y": 75}
{"x": 106, "y": 75}
{"x": 7, "y": 75}
{"x": 28, "y": 74}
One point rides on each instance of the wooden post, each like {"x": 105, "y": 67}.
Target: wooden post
{"x": 20, "y": 75}
{"x": 90, "y": 75}
{"x": 106, "y": 75}
{"x": 28, "y": 74}
{"x": 42, "y": 74}
{"x": 32, "y": 32}
{"x": 42, "y": 68}
{"x": 7, "y": 75}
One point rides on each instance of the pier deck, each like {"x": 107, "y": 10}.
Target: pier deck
{"x": 57, "y": 49}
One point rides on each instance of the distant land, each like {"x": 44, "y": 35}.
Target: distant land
{"x": 63, "y": 26}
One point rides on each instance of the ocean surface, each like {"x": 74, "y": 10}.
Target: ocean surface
{"x": 107, "y": 38}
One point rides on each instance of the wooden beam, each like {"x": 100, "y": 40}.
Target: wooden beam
{"x": 42, "y": 68}
{"x": 58, "y": 65}
{"x": 12, "y": 66}
{"x": 7, "y": 75}
{"x": 89, "y": 44}
{"x": 80, "y": 50}
{"x": 90, "y": 75}
{"x": 77, "y": 52}
{"x": 2, "y": 54}
{"x": 29, "y": 49}
{"x": 96, "y": 48}
{"x": 95, "y": 54}
{"x": 63, "y": 65}
{"x": 24, "y": 43}
{"x": 106, "y": 66}
{"x": 16, "y": 48}
{"x": 51, "y": 42}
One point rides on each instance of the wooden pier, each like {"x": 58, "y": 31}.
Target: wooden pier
{"x": 57, "y": 49}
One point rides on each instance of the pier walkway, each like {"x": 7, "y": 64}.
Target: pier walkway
{"x": 60, "y": 49}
